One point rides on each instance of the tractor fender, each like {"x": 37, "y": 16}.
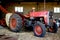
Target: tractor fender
{"x": 7, "y": 17}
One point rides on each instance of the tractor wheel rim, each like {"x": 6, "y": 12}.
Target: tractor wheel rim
{"x": 38, "y": 30}
{"x": 13, "y": 23}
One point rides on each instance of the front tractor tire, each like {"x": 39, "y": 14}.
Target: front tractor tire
{"x": 39, "y": 29}
{"x": 15, "y": 23}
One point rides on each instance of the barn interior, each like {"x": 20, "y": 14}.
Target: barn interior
{"x": 24, "y": 7}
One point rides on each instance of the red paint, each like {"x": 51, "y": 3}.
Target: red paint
{"x": 39, "y": 14}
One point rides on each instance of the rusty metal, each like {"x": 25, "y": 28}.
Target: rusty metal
{"x": 3, "y": 9}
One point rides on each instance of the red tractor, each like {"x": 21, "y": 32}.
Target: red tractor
{"x": 41, "y": 22}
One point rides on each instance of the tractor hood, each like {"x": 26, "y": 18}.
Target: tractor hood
{"x": 38, "y": 14}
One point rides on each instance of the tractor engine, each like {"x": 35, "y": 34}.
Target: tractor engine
{"x": 32, "y": 20}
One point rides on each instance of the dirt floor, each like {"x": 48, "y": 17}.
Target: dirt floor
{"x": 5, "y": 34}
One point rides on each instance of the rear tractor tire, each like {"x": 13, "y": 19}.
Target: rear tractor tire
{"x": 15, "y": 23}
